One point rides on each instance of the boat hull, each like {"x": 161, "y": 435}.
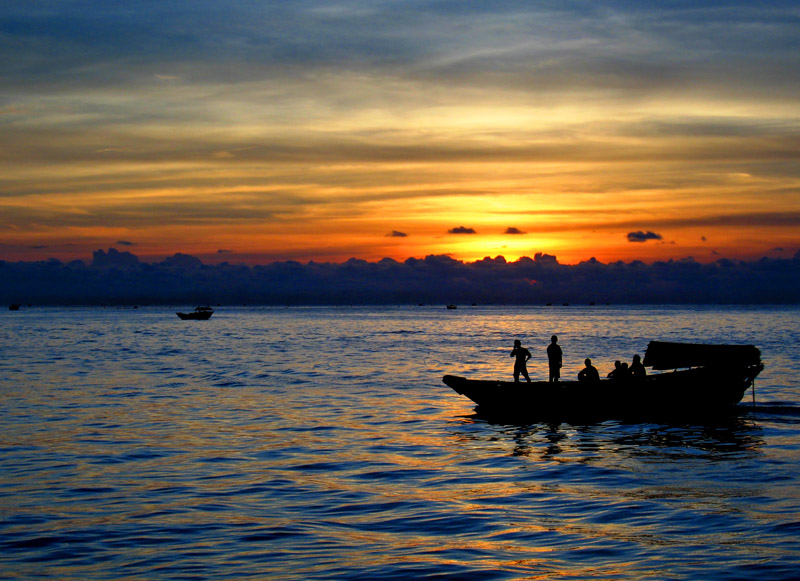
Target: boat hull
{"x": 196, "y": 316}
{"x": 691, "y": 392}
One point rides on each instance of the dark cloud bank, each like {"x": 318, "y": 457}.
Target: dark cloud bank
{"x": 116, "y": 277}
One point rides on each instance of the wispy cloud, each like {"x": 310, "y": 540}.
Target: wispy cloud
{"x": 297, "y": 124}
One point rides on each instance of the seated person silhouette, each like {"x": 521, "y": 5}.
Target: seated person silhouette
{"x": 637, "y": 370}
{"x": 613, "y": 373}
{"x": 589, "y": 373}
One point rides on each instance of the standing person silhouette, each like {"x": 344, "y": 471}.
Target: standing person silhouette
{"x": 554, "y": 359}
{"x": 522, "y": 355}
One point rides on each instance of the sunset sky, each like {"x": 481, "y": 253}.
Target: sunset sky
{"x": 257, "y": 131}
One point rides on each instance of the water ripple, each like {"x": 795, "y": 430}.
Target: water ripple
{"x": 320, "y": 444}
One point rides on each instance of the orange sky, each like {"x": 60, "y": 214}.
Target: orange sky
{"x": 574, "y": 134}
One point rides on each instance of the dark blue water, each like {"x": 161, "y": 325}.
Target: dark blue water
{"x": 320, "y": 443}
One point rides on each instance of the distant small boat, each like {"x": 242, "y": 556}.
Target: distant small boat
{"x": 13, "y": 307}
{"x": 198, "y": 314}
{"x": 452, "y": 307}
{"x": 711, "y": 380}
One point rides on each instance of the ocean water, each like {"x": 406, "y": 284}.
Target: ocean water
{"x": 320, "y": 443}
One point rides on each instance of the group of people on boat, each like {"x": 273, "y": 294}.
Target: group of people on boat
{"x": 622, "y": 372}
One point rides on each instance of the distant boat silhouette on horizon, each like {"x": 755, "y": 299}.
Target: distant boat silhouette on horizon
{"x": 198, "y": 314}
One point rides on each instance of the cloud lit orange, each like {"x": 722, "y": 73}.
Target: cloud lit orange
{"x": 574, "y": 135}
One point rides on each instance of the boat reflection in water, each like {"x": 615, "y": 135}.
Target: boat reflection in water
{"x": 612, "y": 441}
{"x": 706, "y": 380}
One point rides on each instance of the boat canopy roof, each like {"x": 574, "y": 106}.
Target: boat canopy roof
{"x": 665, "y": 355}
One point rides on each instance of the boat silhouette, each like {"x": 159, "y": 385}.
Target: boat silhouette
{"x": 198, "y": 314}
{"x": 702, "y": 380}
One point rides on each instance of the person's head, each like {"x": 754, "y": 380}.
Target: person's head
{"x": 617, "y": 363}
{"x": 517, "y": 343}
{"x": 587, "y": 362}
{"x": 554, "y": 339}
{"x": 636, "y": 358}
{"x": 624, "y": 366}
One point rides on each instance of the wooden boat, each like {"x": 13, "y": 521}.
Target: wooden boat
{"x": 705, "y": 379}
{"x": 198, "y": 314}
